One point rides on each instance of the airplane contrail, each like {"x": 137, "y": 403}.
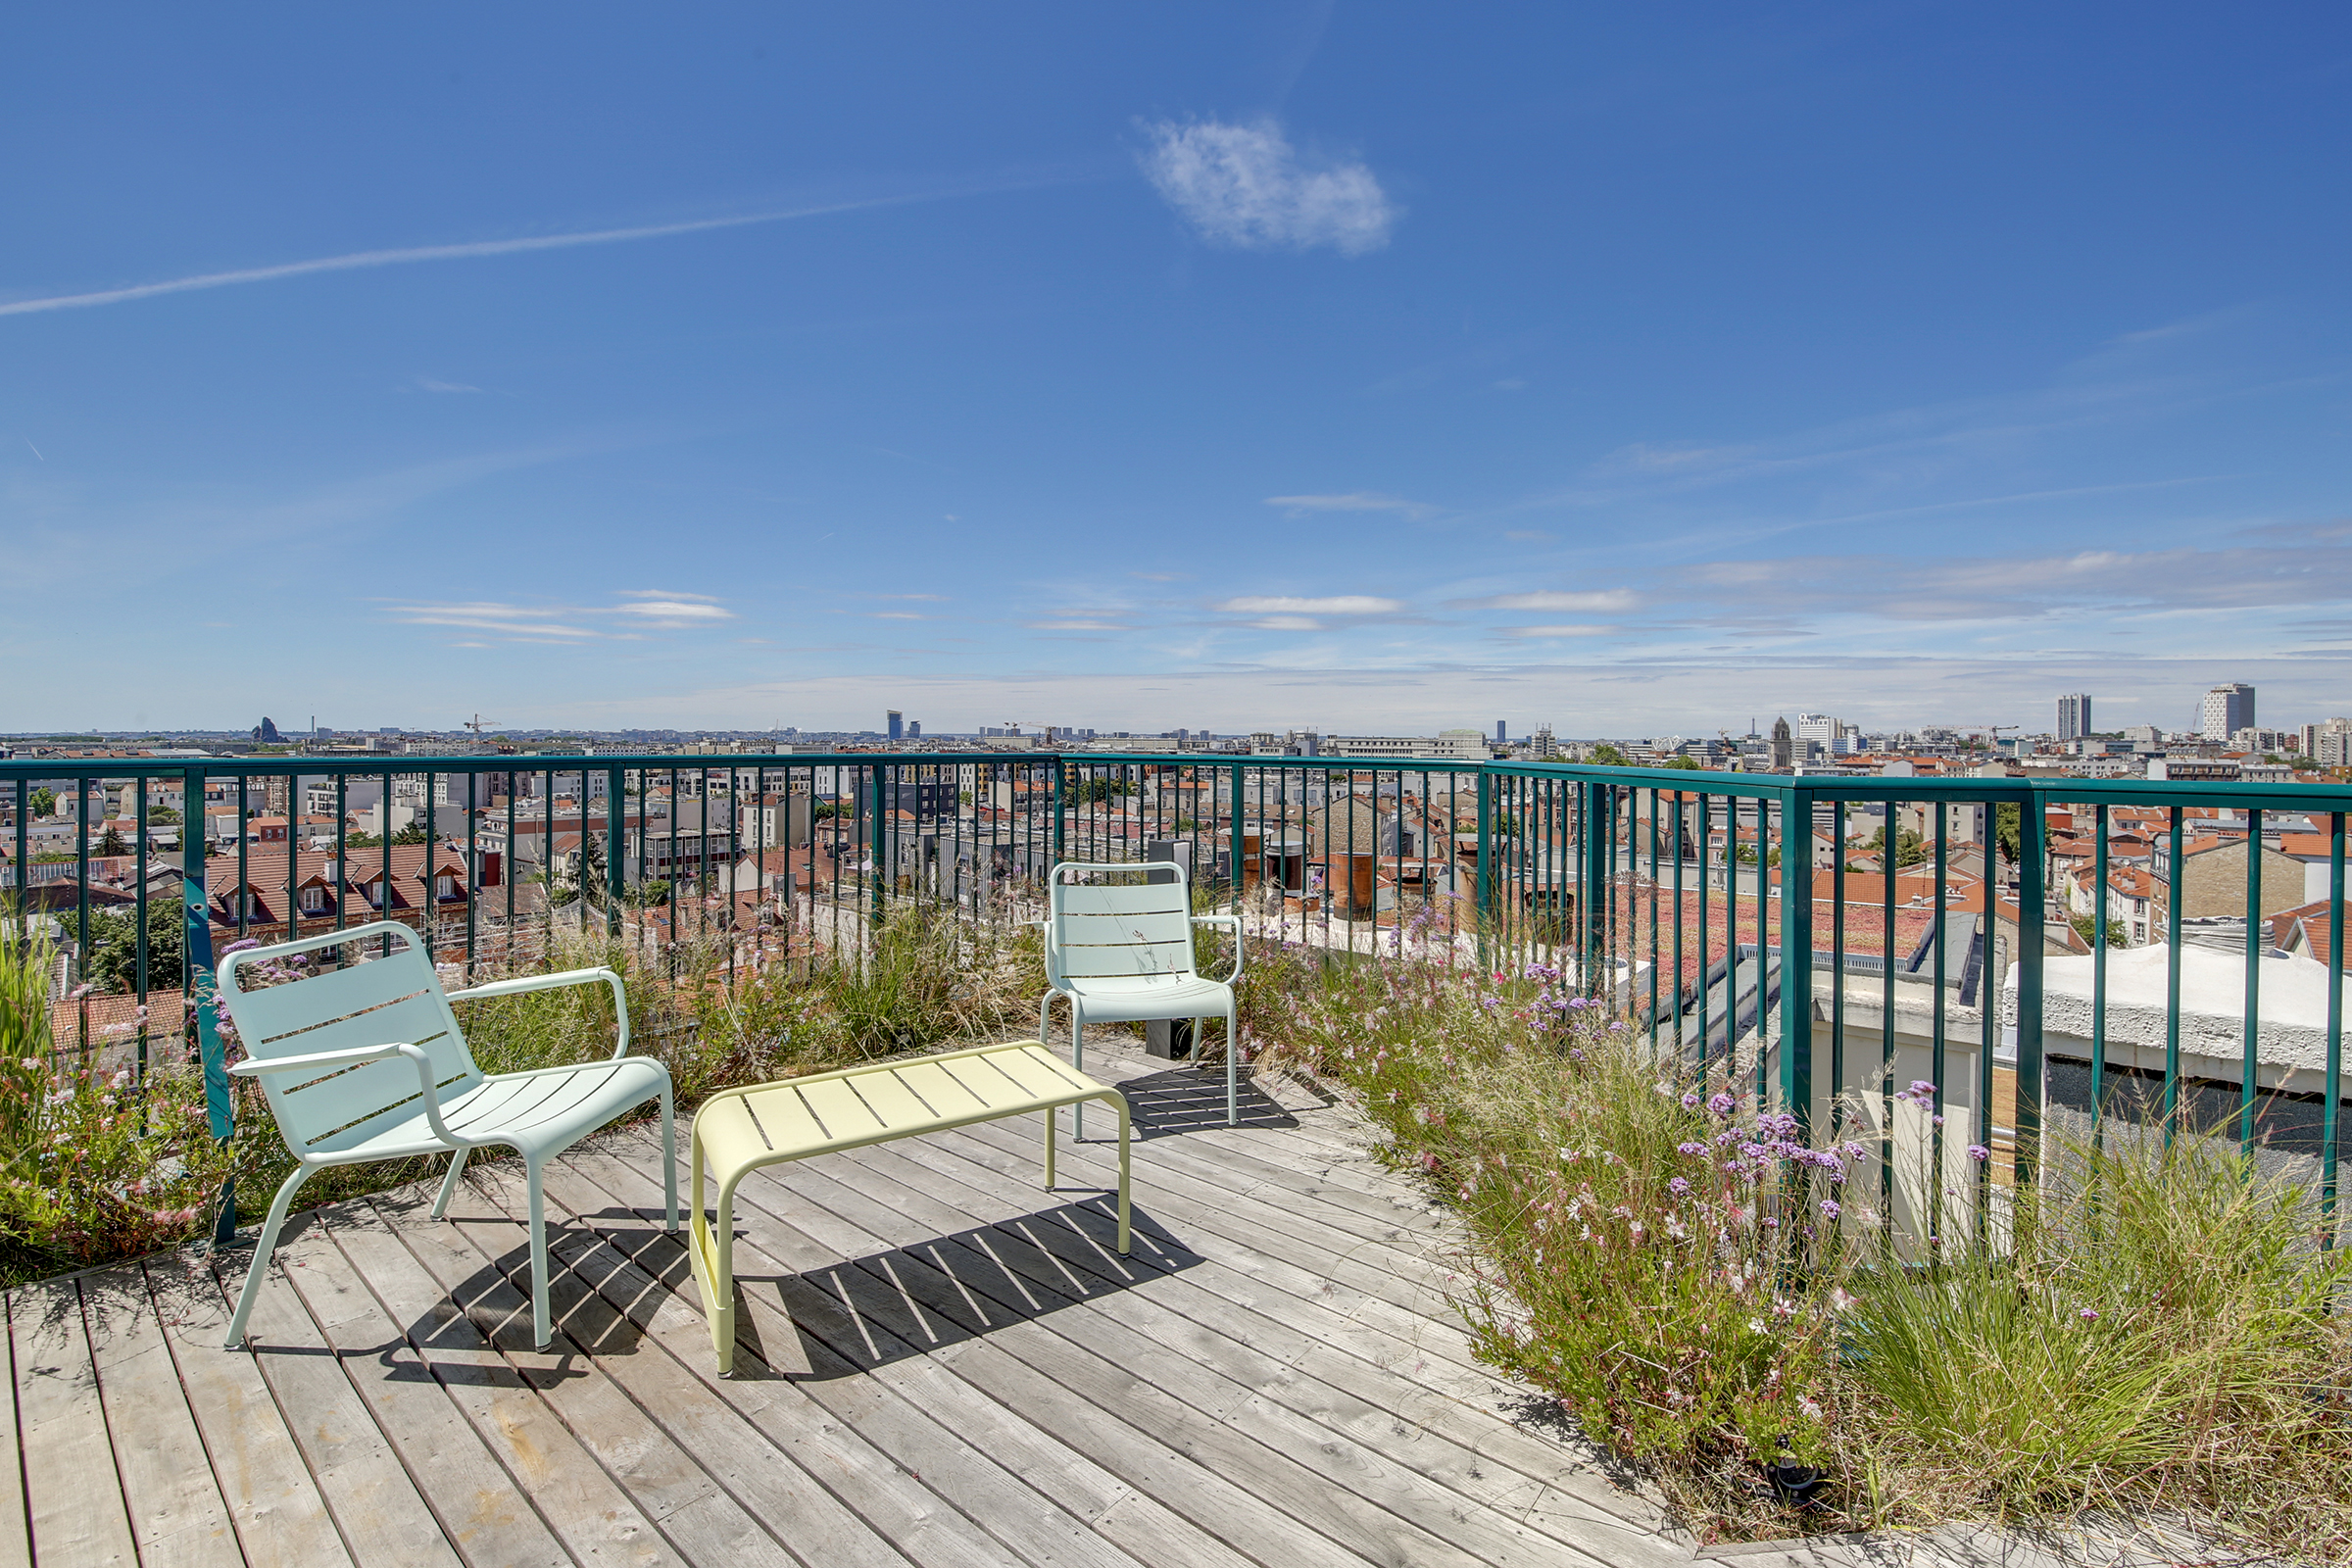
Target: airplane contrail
{"x": 445, "y": 253}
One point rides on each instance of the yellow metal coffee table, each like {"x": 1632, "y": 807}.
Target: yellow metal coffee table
{"x": 737, "y": 1131}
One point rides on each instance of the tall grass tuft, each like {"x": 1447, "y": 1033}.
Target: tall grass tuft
{"x": 2154, "y": 1324}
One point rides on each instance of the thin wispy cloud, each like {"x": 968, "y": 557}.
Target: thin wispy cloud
{"x": 1353, "y": 501}
{"x": 2025, "y": 587}
{"x": 1603, "y": 602}
{"x": 1540, "y": 633}
{"x": 425, "y": 384}
{"x": 640, "y": 610}
{"x": 358, "y": 261}
{"x": 1073, "y": 625}
{"x": 1286, "y": 605}
{"x": 1245, "y": 186}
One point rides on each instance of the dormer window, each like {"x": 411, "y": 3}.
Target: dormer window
{"x": 314, "y": 900}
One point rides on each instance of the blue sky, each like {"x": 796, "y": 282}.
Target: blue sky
{"x": 1629, "y": 368}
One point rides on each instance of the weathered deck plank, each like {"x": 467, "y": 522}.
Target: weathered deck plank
{"x": 384, "y": 1517}
{"x": 177, "y": 1513}
{"x": 940, "y": 1365}
{"x": 273, "y": 1499}
{"x": 485, "y": 1517}
{"x": 72, "y": 1491}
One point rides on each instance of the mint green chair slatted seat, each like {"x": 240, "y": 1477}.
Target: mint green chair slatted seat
{"x": 366, "y": 1063}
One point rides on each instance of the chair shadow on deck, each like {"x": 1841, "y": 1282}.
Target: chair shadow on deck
{"x": 848, "y": 1315}
{"x": 1187, "y": 1098}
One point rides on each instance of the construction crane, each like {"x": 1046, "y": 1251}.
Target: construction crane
{"x": 478, "y": 723}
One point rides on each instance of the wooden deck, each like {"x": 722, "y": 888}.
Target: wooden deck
{"x": 939, "y": 1364}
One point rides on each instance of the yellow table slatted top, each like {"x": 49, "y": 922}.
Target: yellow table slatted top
{"x": 737, "y": 1131}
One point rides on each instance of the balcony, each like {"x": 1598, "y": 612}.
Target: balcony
{"x": 947, "y": 1363}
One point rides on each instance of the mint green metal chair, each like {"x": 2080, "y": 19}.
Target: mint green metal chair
{"x": 1119, "y": 949}
{"x": 366, "y": 1063}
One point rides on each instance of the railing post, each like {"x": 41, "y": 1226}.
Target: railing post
{"x": 1484, "y": 892}
{"x": 1592, "y": 876}
{"x": 2033, "y": 832}
{"x": 1233, "y": 856}
{"x": 877, "y": 855}
{"x": 615, "y": 807}
{"x": 1796, "y": 955}
{"x": 197, "y": 980}
{"x": 1053, "y": 795}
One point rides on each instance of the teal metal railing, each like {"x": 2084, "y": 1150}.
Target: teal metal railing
{"x": 1743, "y": 922}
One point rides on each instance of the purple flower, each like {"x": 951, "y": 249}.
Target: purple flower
{"x": 1721, "y": 1104}
{"x": 1678, "y": 1187}
{"x": 1979, "y": 1153}
{"x": 1690, "y": 1149}
{"x": 1691, "y": 1101}
{"x": 1829, "y": 1208}
{"x": 2090, "y": 1316}
{"x": 1855, "y": 1151}
{"x": 1922, "y": 1089}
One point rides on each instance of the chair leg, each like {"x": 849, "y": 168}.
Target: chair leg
{"x": 670, "y": 1158}
{"x": 1232, "y": 1068}
{"x": 1120, "y": 1103}
{"x": 261, "y": 1254}
{"x": 1050, "y": 1113}
{"x": 542, "y": 1325}
{"x": 1077, "y": 1064}
{"x": 449, "y": 1183}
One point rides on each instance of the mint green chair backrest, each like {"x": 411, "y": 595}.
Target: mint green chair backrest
{"x": 392, "y": 998}
{"x": 1105, "y": 930}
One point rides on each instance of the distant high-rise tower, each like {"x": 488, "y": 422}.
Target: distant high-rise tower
{"x": 1501, "y": 733}
{"x": 2226, "y": 711}
{"x": 897, "y": 725}
{"x": 915, "y": 730}
{"x": 1783, "y": 745}
{"x": 2073, "y": 717}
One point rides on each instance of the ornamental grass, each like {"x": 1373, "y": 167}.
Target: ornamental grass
{"x": 2152, "y": 1325}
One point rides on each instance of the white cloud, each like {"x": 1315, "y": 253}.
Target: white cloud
{"x": 1356, "y": 501}
{"x": 483, "y": 615}
{"x": 1558, "y": 631}
{"x": 428, "y": 384}
{"x": 642, "y": 609}
{"x": 1074, "y": 625}
{"x": 696, "y": 608}
{"x": 1287, "y": 623}
{"x": 1603, "y": 600}
{"x": 1246, "y": 186}
{"x": 1337, "y": 605}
